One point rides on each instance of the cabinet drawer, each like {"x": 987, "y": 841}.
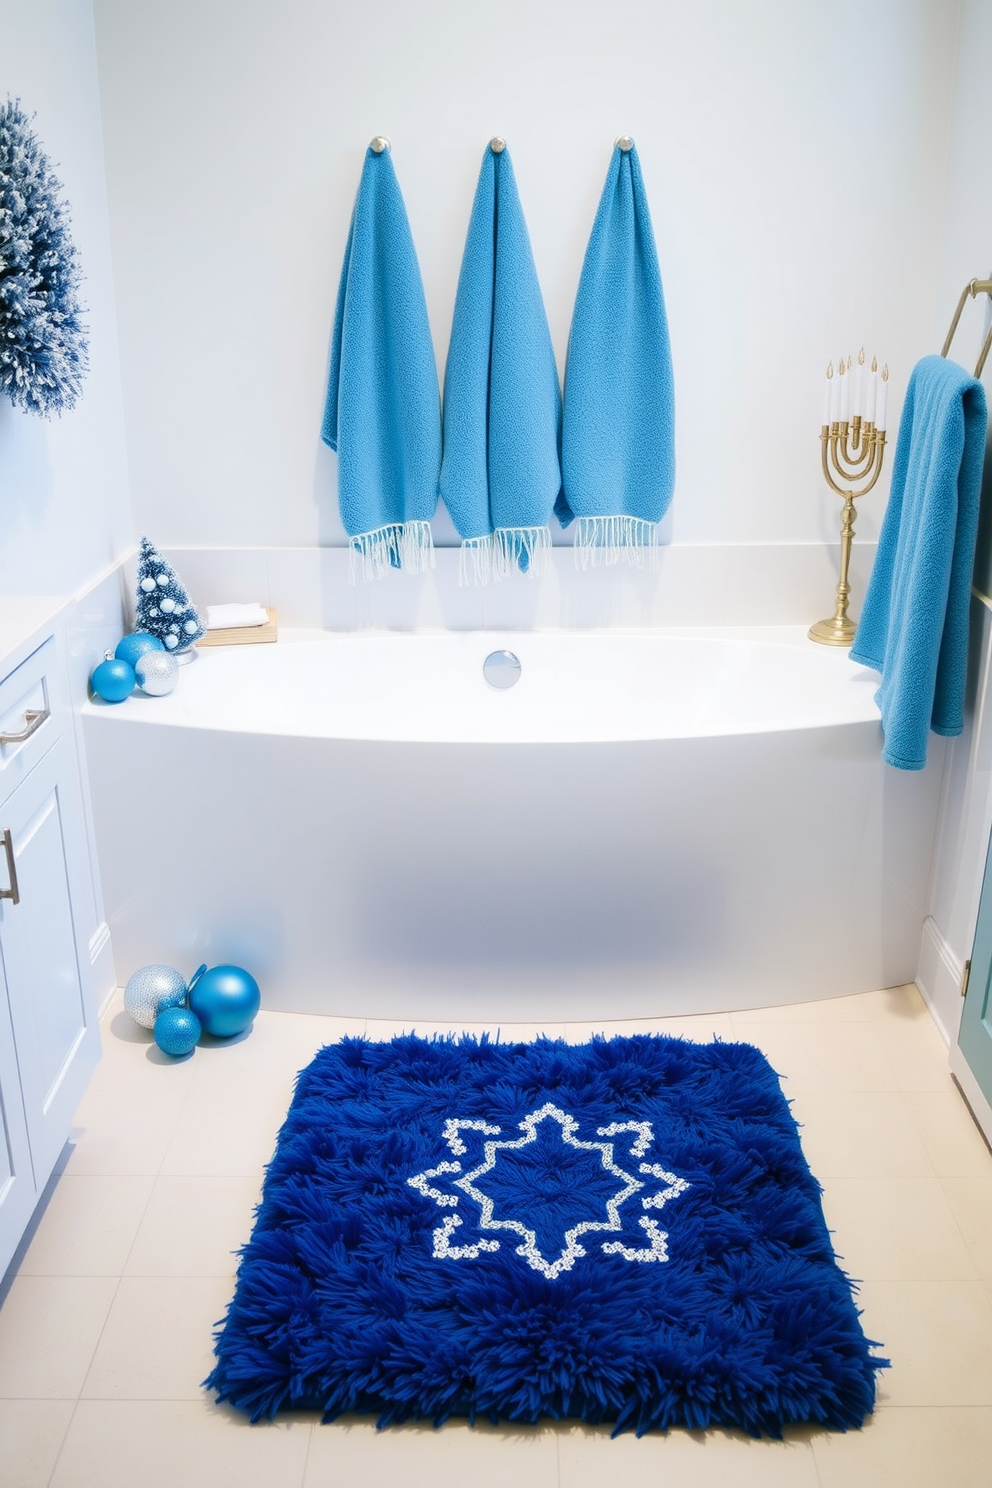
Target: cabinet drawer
{"x": 34, "y": 689}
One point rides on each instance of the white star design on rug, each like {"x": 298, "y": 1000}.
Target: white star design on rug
{"x": 551, "y": 1195}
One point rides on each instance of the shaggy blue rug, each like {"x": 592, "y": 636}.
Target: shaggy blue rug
{"x": 622, "y": 1231}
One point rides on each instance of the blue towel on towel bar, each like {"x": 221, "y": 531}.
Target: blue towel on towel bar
{"x": 914, "y": 625}
{"x": 383, "y": 410}
{"x": 500, "y": 472}
{"x": 618, "y": 431}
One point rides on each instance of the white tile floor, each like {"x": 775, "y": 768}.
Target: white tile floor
{"x": 106, "y": 1327}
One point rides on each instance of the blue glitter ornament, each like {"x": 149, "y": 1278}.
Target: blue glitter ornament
{"x": 177, "y": 1031}
{"x": 225, "y": 999}
{"x": 136, "y": 644}
{"x": 113, "y": 680}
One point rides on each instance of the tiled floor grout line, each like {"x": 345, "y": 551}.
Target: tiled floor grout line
{"x": 137, "y": 1229}
{"x": 918, "y": 1129}
{"x": 79, "y": 1392}
{"x": 65, "y": 1438}
{"x": 816, "y": 1465}
{"x": 306, "y": 1457}
{"x": 967, "y": 1243}
{"x": 99, "y": 1339}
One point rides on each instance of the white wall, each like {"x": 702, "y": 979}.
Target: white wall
{"x": 64, "y": 512}
{"x": 794, "y": 156}
{"x": 966, "y": 814}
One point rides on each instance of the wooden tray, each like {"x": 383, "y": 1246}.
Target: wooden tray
{"x": 244, "y": 635}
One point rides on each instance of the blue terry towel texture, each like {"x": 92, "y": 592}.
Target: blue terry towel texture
{"x": 500, "y": 472}
{"x": 618, "y": 430}
{"x": 383, "y": 410}
{"x": 914, "y": 625}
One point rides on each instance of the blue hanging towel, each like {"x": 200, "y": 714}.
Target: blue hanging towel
{"x": 383, "y": 411}
{"x": 500, "y": 473}
{"x": 618, "y": 430}
{"x": 914, "y": 625}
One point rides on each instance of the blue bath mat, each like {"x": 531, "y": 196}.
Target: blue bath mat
{"x": 624, "y": 1231}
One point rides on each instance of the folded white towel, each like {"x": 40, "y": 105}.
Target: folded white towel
{"x": 227, "y": 616}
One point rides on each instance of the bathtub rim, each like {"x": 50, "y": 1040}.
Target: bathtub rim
{"x": 173, "y": 712}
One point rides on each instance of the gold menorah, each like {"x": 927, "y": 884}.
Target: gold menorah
{"x": 852, "y": 450}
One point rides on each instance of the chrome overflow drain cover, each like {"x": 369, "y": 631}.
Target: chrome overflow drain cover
{"x": 501, "y": 669}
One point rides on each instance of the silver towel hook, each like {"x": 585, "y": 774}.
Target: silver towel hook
{"x": 625, "y": 142}
{"x": 379, "y": 143}
{"x": 497, "y": 144}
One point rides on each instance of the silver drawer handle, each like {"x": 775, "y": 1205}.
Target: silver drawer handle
{"x": 33, "y": 719}
{"x": 13, "y": 893}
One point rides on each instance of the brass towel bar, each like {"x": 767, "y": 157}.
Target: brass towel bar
{"x": 976, "y": 287}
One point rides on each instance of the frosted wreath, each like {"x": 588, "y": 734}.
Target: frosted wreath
{"x": 43, "y": 345}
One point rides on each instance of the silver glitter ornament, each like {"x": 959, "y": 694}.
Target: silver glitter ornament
{"x": 151, "y": 989}
{"x": 157, "y": 672}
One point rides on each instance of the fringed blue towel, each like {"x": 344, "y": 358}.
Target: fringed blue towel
{"x": 914, "y": 625}
{"x": 500, "y": 474}
{"x": 383, "y": 411}
{"x": 618, "y": 431}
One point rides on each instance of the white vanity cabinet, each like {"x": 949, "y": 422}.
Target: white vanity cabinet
{"x": 49, "y": 1038}
{"x": 17, "y": 1186}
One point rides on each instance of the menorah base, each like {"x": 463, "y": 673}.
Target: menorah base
{"x": 837, "y": 631}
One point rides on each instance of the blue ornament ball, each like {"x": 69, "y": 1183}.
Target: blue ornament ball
{"x": 113, "y": 680}
{"x": 136, "y": 644}
{"x": 157, "y": 673}
{"x": 225, "y": 999}
{"x": 177, "y": 1031}
{"x": 152, "y": 988}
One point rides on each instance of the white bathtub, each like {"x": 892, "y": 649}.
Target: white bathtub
{"x": 645, "y": 823}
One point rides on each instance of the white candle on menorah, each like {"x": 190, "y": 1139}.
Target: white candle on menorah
{"x": 852, "y": 449}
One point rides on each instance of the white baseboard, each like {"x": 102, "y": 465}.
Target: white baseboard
{"x": 102, "y": 964}
{"x": 938, "y": 977}
{"x": 972, "y": 1092}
